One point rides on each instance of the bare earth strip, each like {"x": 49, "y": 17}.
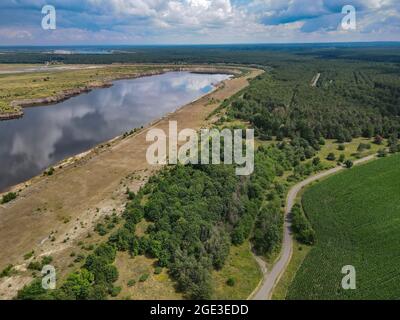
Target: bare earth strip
{"x": 13, "y": 69}
{"x": 272, "y": 277}
{"x": 64, "y": 207}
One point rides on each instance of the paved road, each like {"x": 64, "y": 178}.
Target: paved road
{"x": 272, "y": 277}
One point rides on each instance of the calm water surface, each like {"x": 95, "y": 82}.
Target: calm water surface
{"x": 49, "y": 134}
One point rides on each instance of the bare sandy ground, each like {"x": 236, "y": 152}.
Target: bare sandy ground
{"x": 53, "y": 213}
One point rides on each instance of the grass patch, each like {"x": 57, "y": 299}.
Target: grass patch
{"x": 138, "y": 280}
{"x": 300, "y": 252}
{"x": 350, "y": 151}
{"x": 356, "y": 217}
{"x": 242, "y": 269}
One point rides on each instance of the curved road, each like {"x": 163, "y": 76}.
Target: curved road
{"x": 271, "y": 278}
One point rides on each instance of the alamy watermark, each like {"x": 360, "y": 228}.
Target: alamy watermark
{"x": 49, "y": 280}
{"x": 238, "y": 147}
{"x": 349, "y": 280}
{"x": 349, "y": 21}
{"x": 49, "y": 21}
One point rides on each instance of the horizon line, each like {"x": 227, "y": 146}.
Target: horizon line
{"x": 205, "y": 44}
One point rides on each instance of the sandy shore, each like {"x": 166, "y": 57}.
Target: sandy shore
{"x": 66, "y": 206}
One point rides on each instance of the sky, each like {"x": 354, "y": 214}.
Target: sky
{"x": 141, "y": 22}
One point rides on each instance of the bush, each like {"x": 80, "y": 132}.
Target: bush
{"x": 316, "y": 161}
{"x": 35, "y": 265}
{"x": 34, "y": 291}
{"x": 158, "y": 270}
{"x": 115, "y": 291}
{"x": 341, "y": 147}
{"x": 9, "y": 197}
{"x": 29, "y": 255}
{"x": 349, "y": 164}
{"x": 382, "y": 153}
{"x": 49, "y": 172}
{"x": 131, "y": 283}
{"x": 378, "y": 140}
{"x": 231, "y": 282}
{"x": 7, "y": 271}
{"x": 144, "y": 277}
{"x": 331, "y": 157}
{"x": 101, "y": 229}
{"x": 302, "y": 227}
{"x": 38, "y": 266}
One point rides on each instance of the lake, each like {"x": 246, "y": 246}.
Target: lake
{"x": 48, "y": 134}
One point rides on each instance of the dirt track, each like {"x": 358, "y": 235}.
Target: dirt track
{"x": 69, "y": 203}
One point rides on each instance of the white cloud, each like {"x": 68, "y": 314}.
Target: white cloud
{"x": 196, "y": 21}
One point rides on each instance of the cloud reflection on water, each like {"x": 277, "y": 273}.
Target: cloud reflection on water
{"x": 46, "y": 135}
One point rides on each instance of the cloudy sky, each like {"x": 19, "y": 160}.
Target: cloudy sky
{"x": 196, "y": 21}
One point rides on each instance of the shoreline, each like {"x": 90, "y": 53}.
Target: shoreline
{"x": 19, "y": 105}
{"x": 105, "y": 145}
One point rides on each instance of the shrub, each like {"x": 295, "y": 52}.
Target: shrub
{"x": 331, "y": 157}
{"x": 49, "y": 172}
{"x": 316, "y": 161}
{"x": 115, "y": 291}
{"x": 378, "y": 140}
{"x": 101, "y": 229}
{"x": 158, "y": 270}
{"x": 7, "y": 271}
{"x": 382, "y": 153}
{"x": 231, "y": 282}
{"x": 9, "y": 197}
{"x": 144, "y": 277}
{"x": 29, "y": 255}
{"x": 38, "y": 266}
{"x": 349, "y": 164}
{"x": 131, "y": 283}
{"x": 35, "y": 265}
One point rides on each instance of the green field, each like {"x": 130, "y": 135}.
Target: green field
{"x": 356, "y": 216}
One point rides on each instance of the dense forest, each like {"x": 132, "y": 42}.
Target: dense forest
{"x": 196, "y": 213}
{"x": 350, "y": 100}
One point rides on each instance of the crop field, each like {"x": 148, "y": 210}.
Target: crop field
{"x": 356, "y": 216}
